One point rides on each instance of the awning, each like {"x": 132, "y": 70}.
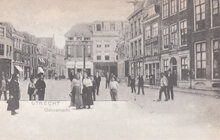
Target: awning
{"x": 41, "y": 60}
{"x": 40, "y": 70}
{"x": 19, "y": 68}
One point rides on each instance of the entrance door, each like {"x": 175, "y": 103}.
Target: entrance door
{"x": 173, "y": 64}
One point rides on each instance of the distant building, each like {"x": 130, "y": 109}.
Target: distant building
{"x": 106, "y": 34}
{"x": 78, "y": 37}
{"x": 6, "y": 49}
{"x": 60, "y": 63}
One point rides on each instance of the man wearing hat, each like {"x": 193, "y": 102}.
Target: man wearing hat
{"x": 40, "y": 87}
{"x": 170, "y": 78}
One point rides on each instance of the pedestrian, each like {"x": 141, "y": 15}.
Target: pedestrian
{"x": 87, "y": 91}
{"x": 133, "y": 89}
{"x": 107, "y": 77}
{"x": 14, "y": 94}
{"x": 93, "y": 87}
{"x": 31, "y": 89}
{"x": 97, "y": 79}
{"x": 140, "y": 84}
{"x": 113, "y": 89}
{"x": 163, "y": 85}
{"x": 77, "y": 92}
{"x": 3, "y": 88}
{"x": 129, "y": 79}
{"x": 72, "y": 94}
{"x": 170, "y": 78}
{"x": 40, "y": 87}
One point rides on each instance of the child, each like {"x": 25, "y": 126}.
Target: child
{"x": 31, "y": 89}
{"x": 113, "y": 89}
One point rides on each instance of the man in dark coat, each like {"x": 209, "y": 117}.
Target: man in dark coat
{"x": 97, "y": 79}
{"x": 170, "y": 78}
{"x": 140, "y": 84}
{"x": 40, "y": 87}
{"x": 14, "y": 94}
{"x": 133, "y": 89}
{"x": 129, "y": 79}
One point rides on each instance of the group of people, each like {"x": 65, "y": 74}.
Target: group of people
{"x": 85, "y": 88}
{"x": 166, "y": 85}
{"x": 11, "y": 87}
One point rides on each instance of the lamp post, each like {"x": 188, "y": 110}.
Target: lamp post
{"x": 84, "y": 54}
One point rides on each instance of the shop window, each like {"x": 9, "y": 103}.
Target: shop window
{"x": 184, "y": 68}
{"x": 200, "y": 60}
{"x": 216, "y": 59}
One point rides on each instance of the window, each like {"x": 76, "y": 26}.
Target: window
{"x": 107, "y": 57}
{"x": 155, "y": 30}
{"x": 89, "y": 51}
{"x": 184, "y": 68}
{"x": 2, "y": 31}
{"x": 201, "y": 60}
{"x": 1, "y": 49}
{"x": 132, "y": 49}
{"x": 98, "y": 57}
{"x": 79, "y": 51}
{"x": 107, "y": 45}
{"x": 116, "y": 57}
{"x": 173, "y": 7}
{"x": 135, "y": 28}
{"x": 200, "y": 14}
{"x": 136, "y": 48}
{"x": 166, "y": 38}
{"x": 70, "y": 38}
{"x": 139, "y": 46}
{"x": 215, "y": 6}
{"x": 165, "y": 8}
{"x": 98, "y": 45}
{"x": 139, "y": 26}
{"x": 173, "y": 34}
{"x": 183, "y": 32}
{"x": 148, "y": 50}
{"x": 182, "y": 5}
{"x": 98, "y": 27}
{"x": 112, "y": 27}
{"x": 216, "y": 59}
{"x": 87, "y": 38}
{"x": 165, "y": 64}
{"x": 147, "y": 32}
{"x": 132, "y": 68}
{"x": 132, "y": 31}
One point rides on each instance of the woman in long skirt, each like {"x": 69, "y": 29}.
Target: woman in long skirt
{"x": 87, "y": 91}
{"x": 76, "y": 83}
{"x": 14, "y": 94}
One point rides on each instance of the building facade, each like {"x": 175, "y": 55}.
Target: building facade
{"x": 176, "y": 39}
{"x": 106, "y": 34}
{"x": 6, "y": 49}
{"x": 152, "y": 38}
{"x": 79, "y": 44}
{"x": 205, "y": 50}
{"x": 136, "y": 50}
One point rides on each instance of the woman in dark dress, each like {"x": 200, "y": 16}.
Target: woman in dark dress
{"x": 40, "y": 87}
{"x": 14, "y": 94}
{"x": 87, "y": 91}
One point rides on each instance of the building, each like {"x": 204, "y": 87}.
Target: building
{"x": 47, "y": 55}
{"x": 136, "y": 50}
{"x": 6, "y": 49}
{"x": 60, "y": 63}
{"x": 79, "y": 44}
{"x": 176, "y": 39}
{"x": 152, "y": 37}
{"x": 205, "y": 49}
{"x": 122, "y": 51}
{"x": 106, "y": 34}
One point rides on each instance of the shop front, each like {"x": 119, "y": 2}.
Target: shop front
{"x": 5, "y": 67}
{"x": 152, "y": 71}
{"x": 74, "y": 67}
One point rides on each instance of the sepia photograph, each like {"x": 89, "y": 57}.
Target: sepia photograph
{"x": 110, "y": 69}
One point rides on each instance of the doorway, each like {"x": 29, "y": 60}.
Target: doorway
{"x": 173, "y": 66}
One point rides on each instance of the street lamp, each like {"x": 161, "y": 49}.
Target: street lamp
{"x": 84, "y": 43}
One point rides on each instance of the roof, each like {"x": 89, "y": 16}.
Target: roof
{"x": 138, "y": 7}
{"x": 150, "y": 2}
{"x": 29, "y": 37}
{"x": 80, "y": 30}
{"x": 9, "y": 28}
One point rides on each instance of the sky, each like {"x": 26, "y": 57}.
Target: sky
{"x": 45, "y": 18}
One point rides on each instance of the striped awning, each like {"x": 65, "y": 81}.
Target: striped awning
{"x": 19, "y": 68}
